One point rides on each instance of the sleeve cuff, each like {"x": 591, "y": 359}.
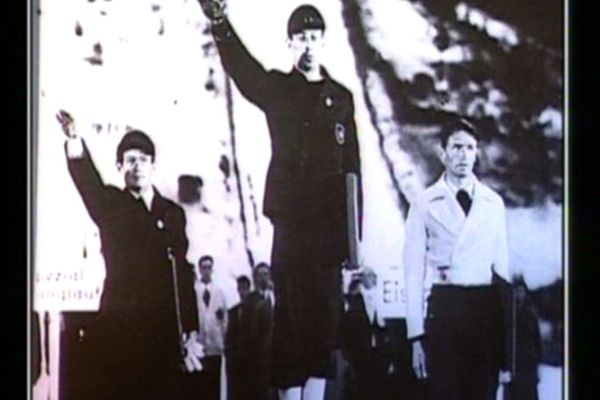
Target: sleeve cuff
{"x": 418, "y": 338}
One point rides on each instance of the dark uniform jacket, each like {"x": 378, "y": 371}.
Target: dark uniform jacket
{"x": 135, "y": 335}
{"x": 313, "y": 140}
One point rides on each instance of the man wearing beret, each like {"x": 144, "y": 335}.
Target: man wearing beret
{"x": 456, "y": 242}
{"x": 136, "y": 342}
{"x": 314, "y": 147}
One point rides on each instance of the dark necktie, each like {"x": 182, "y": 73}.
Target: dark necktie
{"x": 464, "y": 200}
{"x": 206, "y": 297}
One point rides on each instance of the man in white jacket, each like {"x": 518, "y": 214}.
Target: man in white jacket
{"x": 212, "y": 321}
{"x": 455, "y": 245}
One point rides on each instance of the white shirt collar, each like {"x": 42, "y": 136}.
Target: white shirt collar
{"x": 203, "y": 286}
{"x": 469, "y": 187}
{"x": 146, "y": 196}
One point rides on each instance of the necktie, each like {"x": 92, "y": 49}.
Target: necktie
{"x": 206, "y": 297}
{"x": 464, "y": 200}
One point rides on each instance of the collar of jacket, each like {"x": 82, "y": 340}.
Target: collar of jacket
{"x": 299, "y": 78}
{"x": 446, "y": 210}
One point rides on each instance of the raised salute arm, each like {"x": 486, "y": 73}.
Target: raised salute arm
{"x": 249, "y": 75}
{"x": 82, "y": 169}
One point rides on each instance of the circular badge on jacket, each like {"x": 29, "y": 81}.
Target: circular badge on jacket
{"x": 340, "y": 133}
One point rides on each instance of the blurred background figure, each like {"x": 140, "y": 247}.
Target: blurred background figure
{"x": 212, "y": 319}
{"x": 234, "y": 354}
{"x": 364, "y": 340}
{"x": 258, "y": 333}
{"x": 528, "y": 351}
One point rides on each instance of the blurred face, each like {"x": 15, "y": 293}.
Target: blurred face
{"x": 460, "y": 154}
{"x": 243, "y": 289}
{"x": 137, "y": 169}
{"x": 262, "y": 277}
{"x": 307, "y": 49}
{"x": 205, "y": 271}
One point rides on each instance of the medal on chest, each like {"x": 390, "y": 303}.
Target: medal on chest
{"x": 340, "y": 133}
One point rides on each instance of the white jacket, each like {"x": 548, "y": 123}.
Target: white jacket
{"x": 439, "y": 234}
{"x": 211, "y": 330}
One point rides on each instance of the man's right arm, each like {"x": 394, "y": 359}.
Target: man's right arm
{"x": 82, "y": 170}
{"x": 248, "y": 74}
{"x": 414, "y": 274}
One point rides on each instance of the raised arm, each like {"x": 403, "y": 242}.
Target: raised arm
{"x": 83, "y": 171}
{"x": 251, "y": 78}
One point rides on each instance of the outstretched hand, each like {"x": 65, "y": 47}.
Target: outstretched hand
{"x": 67, "y": 123}
{"x": 215, "y": 10}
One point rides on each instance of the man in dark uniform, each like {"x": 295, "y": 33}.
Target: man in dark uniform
{"x": 147, "y": 306}
{"x": 314, "y": 146}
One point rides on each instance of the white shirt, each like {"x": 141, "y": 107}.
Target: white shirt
{"x": 147, "y": 197}
{"x": 468, "y": 186}
{"x": 268, "y": 294}
{"x": 440, "y": 235}
{"x": 211, "y": 333}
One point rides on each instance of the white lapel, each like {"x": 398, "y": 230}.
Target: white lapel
{"x": 478, "y": 214}
{"x": 444, "y": 208}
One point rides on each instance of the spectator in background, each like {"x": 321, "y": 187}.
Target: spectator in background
{"x": 234, "y": 352}
{"x": 528, "y": 351}
{"x": 363, "y": 340}
{"x": 258, "y": 328}
{"x": 212, "y": 319}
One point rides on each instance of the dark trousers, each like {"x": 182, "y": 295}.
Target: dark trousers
{"x": 247, "y": 382}
{"x": 464, "y": 340}
{"x": 205, "y": 384}
{"x": 370, "y": 376}
{"x": 306, "y": 271}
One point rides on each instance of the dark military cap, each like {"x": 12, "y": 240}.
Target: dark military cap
{"x": 135, "y": 140}
{"x": 305, "y": 17}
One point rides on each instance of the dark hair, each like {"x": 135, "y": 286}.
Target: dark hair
{"x": 206, "y": 258}
{"x": 305, "y": 17}
{"x": 135, "y": 140}
{"x": 243, "y": 279}
{"x": 452, "y": 126}
{"x": 261, "y": 265}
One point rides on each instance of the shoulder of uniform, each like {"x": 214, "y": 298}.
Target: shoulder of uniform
{"x": 490, "y": 193}
{"x": 112, "y": 189}
{"x": 275, "y": 73}
{"x": 170, "y": 204}
{"x": 434, "y": 192}
{"x": 342, "y": 90}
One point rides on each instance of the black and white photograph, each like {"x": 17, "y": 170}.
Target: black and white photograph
{"x": 299, "y": 200}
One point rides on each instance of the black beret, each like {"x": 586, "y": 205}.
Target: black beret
{"x": 135, "y": 140}
{"x": 305, "y": 17}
